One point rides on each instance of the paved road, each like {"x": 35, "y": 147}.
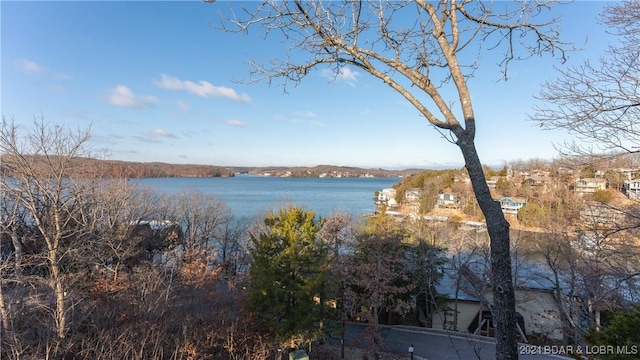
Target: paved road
{"x": 432, "y": 344}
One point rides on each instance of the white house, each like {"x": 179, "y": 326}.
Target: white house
{"x": 590, "y": 185}
{"x": 629, "y": 173}
{"x": 448, "y": 200}
{"x": 631, "y": 188}
{"x": 387, "y": 197}
{"x": 413, "y": 195}
{"x": 412, "y": 199}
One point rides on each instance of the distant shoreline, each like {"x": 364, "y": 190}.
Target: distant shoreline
{"x": 127, "y": 169}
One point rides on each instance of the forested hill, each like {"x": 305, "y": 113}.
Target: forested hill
{"x": 89, "y": 167}
{"x": 117, "y": 168}
{"x": 327, "y": 171}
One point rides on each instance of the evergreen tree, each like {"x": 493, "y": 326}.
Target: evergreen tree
{"x": 287, "y": 271}
{"x": 622, "y": 335}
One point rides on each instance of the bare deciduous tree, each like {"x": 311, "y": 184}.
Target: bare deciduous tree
{"x": 60, "y": 215}
{"x": 200, "y": 217}
{"x": 210, "y": 230}
{"x": 231, "y": 244}
{"x": 599, "y": 100}
{"x": 122, "y": 206}
{"x": 375, "y": 274}
{"x": 40, "y": 164}
{"x": 591, "y": 269}
{"x": 468, "y": 249}
{"x": 421, "y": 50}
{"x": 62, "y": 223}
{"x": 337, "y": 234}
{"x": 561, "y": 270}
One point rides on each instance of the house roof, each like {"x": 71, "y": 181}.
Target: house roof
{"x": 530, "y": 276}
{"x": 513, "y": 199}
{"x": 447, "y": 287}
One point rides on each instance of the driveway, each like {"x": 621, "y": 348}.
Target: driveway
{"x": 433, "y": 344}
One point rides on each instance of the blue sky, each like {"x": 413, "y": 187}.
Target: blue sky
{"x": 157, "y": 83}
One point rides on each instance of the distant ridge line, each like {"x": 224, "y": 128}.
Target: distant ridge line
{"x": 132, "y": 169}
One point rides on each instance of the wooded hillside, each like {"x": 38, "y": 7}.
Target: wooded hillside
{"x": 127, "y": 169}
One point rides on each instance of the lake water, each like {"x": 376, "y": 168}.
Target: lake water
{"x": 248, "y": 196}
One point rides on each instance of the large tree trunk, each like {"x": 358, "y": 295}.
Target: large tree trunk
{"x": 501, "y": 279}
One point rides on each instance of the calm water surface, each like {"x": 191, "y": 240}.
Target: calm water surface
{"x": 248, "y": 196}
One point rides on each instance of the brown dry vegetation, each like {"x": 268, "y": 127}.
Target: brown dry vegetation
{"x": 87, "y": 167}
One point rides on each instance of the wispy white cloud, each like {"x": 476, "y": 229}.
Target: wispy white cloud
{"x": 161, "y": 133}
{"x": 183, "y": 105}
{"x": 345, "y": 74}
{"x": 348, "y": 75}
{"x": 123, "y": 96}
{"x": 306, "y": 113}
{"x": 29, "y": 67}
{"x": 235, "y": 123}
{"x": 301, "y": 117}
{"x": 147, "y": 139}
{"x": 201, "y": 88}
{"x": 117, "y": 136}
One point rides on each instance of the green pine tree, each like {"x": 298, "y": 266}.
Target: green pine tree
{"x": 621, "y": 338}
{"x": 288, "y": 263}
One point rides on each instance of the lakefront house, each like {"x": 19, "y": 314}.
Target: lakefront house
{"x": 511, "y": 205}
{"x": 387, "y": 198}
